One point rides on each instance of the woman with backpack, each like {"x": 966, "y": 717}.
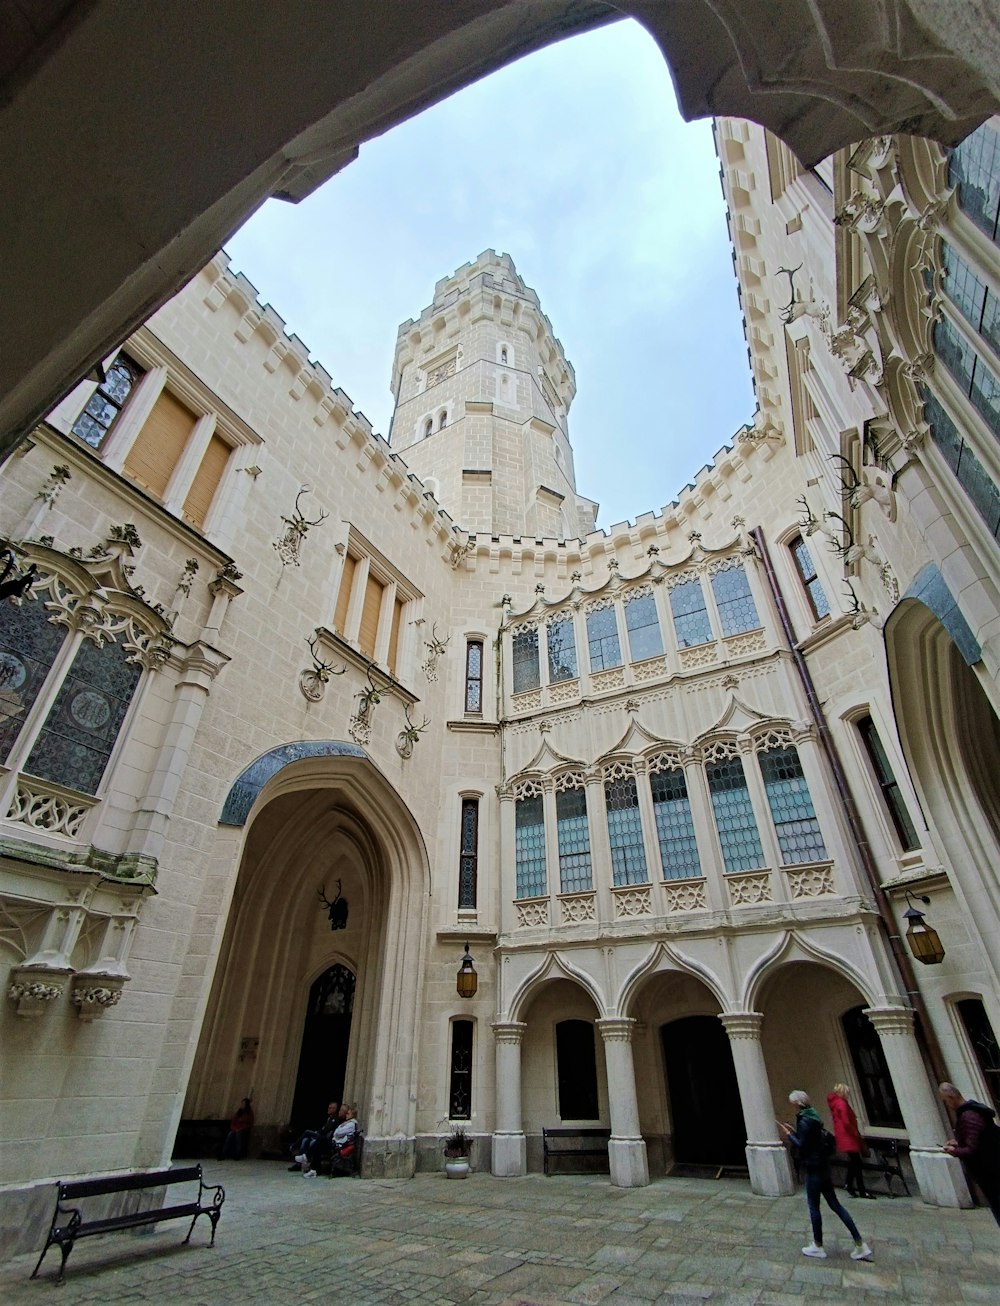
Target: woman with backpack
{"x": 849, "y": 1141}
{"x": 815, "y": 1146}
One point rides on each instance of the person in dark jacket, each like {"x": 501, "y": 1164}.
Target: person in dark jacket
{"x": 850, "y": 1144}
{"x": 807, "y": 1136}
{"x": 976, "y": 1142}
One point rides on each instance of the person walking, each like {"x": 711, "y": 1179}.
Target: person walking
{"x": 850, "y": 1144}
{"x": 809, "y": 1136}
{"x": 976, "y": 1142}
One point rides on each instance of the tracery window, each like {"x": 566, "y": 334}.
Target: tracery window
{"x": 734, "y": 817}
{"x": 737, "y": 610}
{"x": 474, "y": 675}
{"x": 524, "y": 647}
{"x": 806, "y": 568}
{"x": 575, "y": 874}
{"x": 561, "y": 643}
{"x": 691, "y": 623}
{"x": 602, "y": 639}
{"x": 29, "y": 643}
{"x": 674, "y": 825}
{"x": 529, "y": 847}
{"x": 887, "y": 783}
{"x": 644, "y": 638}
{"x": 106, "y": 403}
{"x": 468, "y": 861}
{"x": 460, "y": 1079}
{"x": 628, "y": 853}
{"x": 792, "y": 811}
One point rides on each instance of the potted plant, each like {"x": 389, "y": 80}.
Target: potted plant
{"x": 457, "y": 1146}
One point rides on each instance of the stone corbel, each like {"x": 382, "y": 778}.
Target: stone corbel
{"x": 35, "y": 987}
{"x": 95, "y": 991}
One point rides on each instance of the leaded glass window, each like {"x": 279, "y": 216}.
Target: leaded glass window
{"x": 628, "y": 854}
{"x": 974, "y": 167}
{"x": 792, "y": 811}
{"x": 674, "y": 826}
{"x": 28, "y": 647}
{"x": 973, "y": 477}
{"x": 972, "y": 297}
{"x": 460, "y": 1086}
{"x": 687, "y": 604}
{"x": 525, "y": 649}
{"x": 575, "y": 874}
{"x": 737, "y": 610}
{"x": 644, "y": 638}
{"x": 75, "y": 742}
{"x": 973, "y": 376}
{"x": 529, "y": 848}
{"x": 474, "y": 676}
{"x": 879, "y": 759}
{"x": 105, "y": 404}
{"x": 734, "y": 818}
{"x": 602, "y": 639}
{"x": 984, "y": 1044}
{"x": 561, "y": 643}
{"x": 468, "y": 862}
{"x": 810, "y": 581}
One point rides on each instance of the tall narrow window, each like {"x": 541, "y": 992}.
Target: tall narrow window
{"x": 602, "y": 639}
{"x": 529, "y": 848}
{"x": 443, "y": 421}
{"x": 474, "y": 675}
{"x": 972, "y": 297}
{"x": 158, "y": 446}
{"x": 628, "y": 853}
{"x": 687, "y": 604}
{"x": 428, "y": 427}
{"x": 737, "y": 610}
{"x": 525, "y": 650}
{"x": 344, "y": 593}
{"x": 792, "y": 811}
{"x": 576, "y": 1062}
{"x": 970, "y": 473}
{"x": 644, "y": 638}
{"x": 206, "y": 482}
{"x": 392, "y": 656}
{"x": 974, "y": 167}
{"x": 905, "y": 832}
{"x": 734, "y": 818}
{"x": 370, "y": 610}
{"x": 674, "y": 826}
{"x": 74, "y": 745}
{"x": 810, "y": 581}
{"x": 561, "y": 644}
{"x": 460, "y": 1082}
{"x": 28, "y": 647}
{"x": 972, "y": 374}
{"x": 106, "y": 403}
{"x": 575, "y": 874}
{"x": 872, "y": 1070}
{"x": 468, "y": 862}
{"x": 983, "y": 1041}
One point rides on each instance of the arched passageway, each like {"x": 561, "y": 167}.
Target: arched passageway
{"x": 301, "y": 1013}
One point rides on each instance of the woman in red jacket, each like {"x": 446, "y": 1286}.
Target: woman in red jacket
{"x": 848, "y": 1136}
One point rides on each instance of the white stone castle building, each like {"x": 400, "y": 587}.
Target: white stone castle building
{"x": 675, "y": 784}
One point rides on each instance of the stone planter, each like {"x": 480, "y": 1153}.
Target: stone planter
{"x": 456, "y": 1167}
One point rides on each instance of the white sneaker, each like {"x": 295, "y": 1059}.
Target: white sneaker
{"x": 302, "y": 1159}
{"x": 310, "y": 1174}
{"x": 862, "y": 1252}
{"x": 813, "y": 1250}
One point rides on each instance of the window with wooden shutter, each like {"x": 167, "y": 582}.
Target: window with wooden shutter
{"x": 159, "y": 445}
{"x": 344, "y": 596}
{"x": 206, "y": 481}
{"x": 370, "y": 614}
{"x": 397, "y": 621}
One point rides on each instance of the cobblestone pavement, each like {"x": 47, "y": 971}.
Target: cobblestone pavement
{"x": 520, "y": 1242}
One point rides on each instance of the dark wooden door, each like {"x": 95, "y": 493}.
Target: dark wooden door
{"x": 326, "y": 1037}
{"x": 705, "y": 1106}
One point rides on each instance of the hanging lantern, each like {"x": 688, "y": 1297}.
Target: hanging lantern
{"x": 468, "y": 980}
{"x": 924, "y": 940}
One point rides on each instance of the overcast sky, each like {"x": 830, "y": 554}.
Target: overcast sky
{"x": 574, "y": 161}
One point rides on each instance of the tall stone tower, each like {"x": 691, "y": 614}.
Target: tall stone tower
{"x": 482, "y": 389}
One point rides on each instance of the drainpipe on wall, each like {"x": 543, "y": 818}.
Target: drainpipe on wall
{"x": 924, "y": 1029}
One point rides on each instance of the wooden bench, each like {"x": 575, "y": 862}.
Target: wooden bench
{"x": 69, "y": 1224}
{"x": 884, "y": 1161}
{"x": 558, "y": 1144}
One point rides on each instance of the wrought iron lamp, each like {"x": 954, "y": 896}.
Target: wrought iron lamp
{"x": 468, "y": 980}
{"x": 924, "y": 940}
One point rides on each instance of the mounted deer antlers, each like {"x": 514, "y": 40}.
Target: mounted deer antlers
{"x": 336, "y": 910}
{"x": 408, "y": 737}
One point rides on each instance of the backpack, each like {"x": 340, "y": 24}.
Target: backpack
{"x": 827, "y": 1144}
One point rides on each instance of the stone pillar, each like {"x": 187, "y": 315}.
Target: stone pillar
{"x": 626, "y": 1150}
{"x": 510, "y": 1155}
{"x": 939, "y": 1176}
{"x": 767, "y": 1157}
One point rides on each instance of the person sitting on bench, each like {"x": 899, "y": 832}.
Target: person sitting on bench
{"x": 328, "y": 1146}
{"x": 300, "y": 1150}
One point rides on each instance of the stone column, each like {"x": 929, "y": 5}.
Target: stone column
{"x": 626, "y": 1150}
{"x": 767, "y": 1156}
{"x": 509, "y": 1146}
{"x": 939, "y": 1176}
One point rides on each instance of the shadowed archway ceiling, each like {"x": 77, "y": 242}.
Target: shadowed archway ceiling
{"x": 135, "y": 138}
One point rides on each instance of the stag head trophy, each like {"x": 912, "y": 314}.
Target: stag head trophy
{"x": 408, "y": 737}
{"x": 337, "y": 910}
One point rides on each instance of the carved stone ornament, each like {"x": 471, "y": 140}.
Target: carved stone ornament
{"x": 288, "y": 546}
{"x": 35, "y": 988}
{"x": 435, "y": 647}
{"x": 94, "y": 993}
